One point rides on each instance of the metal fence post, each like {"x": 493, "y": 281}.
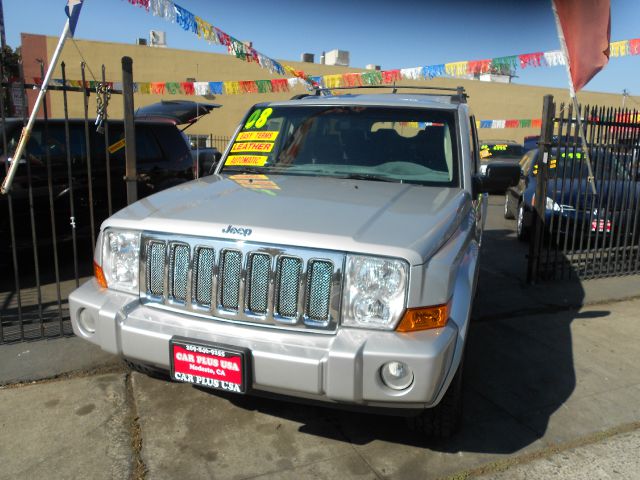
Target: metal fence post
{"x": 538, "y": 220}
{"x": 129, "y": 130}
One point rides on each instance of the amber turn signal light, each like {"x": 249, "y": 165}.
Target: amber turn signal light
{"x": 424, "y": 318}
{"x": 99, "y": 274}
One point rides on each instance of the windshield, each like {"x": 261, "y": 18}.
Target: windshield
{"x": 373, "y": 143}
{"x": 572, "y": 164}
{"x": 490, "y": 151}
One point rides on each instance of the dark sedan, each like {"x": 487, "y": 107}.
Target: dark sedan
{"x": 570, "y": 207}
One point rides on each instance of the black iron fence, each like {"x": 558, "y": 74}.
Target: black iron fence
{"x": 201, "y": 141}
{"x": 64, "y": 187}
{"x": 586, "y": 208}
{"x": 220, "y": 142}
{"x": 75, "y": 173}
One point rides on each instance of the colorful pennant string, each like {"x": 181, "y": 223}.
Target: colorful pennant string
{"x": 189, "y": 22}
{"x": 172, "y": 12}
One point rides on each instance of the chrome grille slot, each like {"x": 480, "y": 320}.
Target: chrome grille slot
{"x": 318, "y": 289}
{"x": 179, "y": 259}
{"x": 155, "y": 267}
{"x": 230, "y": 270}
{"x": 259, "y": 269}
{"x": 288, "y": 284}
{"x": 241, "y": 282}
{"x": 203, "y": 275}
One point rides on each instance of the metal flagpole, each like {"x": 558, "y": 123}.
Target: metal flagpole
{"x": 572, "y": 94}
{"x": 26, "y": 131}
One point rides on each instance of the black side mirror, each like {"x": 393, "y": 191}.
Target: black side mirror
{"x": 497, "y": 178}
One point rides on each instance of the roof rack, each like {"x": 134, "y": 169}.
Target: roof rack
{"x": 459, "y": 96}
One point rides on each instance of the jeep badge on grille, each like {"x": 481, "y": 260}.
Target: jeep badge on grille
{"x": 245, "y": 232}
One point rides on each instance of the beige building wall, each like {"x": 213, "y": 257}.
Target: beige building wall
{"x": 488, "y": 100}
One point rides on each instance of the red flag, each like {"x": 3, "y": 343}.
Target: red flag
{"x": 586, "y": 26}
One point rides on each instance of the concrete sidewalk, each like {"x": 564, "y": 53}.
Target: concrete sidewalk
{"x": 535, "y": 385}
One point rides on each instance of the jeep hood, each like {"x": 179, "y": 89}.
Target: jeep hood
{"x": 380, "y": 218}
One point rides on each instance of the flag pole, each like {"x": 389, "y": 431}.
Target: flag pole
{"x": 26, "y": 131}
{"x": 574, "y": 98}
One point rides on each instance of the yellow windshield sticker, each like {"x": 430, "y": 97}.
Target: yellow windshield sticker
{"x": 116, "y": 146}
{"x": 263, "y": 136}
{"x": 248, "y": 160}
{"x": 485, "y": 154}
{"x": 252, "y": 147}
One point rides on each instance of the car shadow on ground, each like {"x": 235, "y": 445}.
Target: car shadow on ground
{"x": 519, "y": 366}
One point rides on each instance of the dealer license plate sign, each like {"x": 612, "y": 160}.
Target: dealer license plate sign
{"x": 220, "y": 367}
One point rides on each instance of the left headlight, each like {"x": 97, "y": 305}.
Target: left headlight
{"x": 120, "y": 259}
{"x": 375, "y": 292}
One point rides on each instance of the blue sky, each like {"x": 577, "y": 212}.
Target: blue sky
{"x": 394, "y": 34}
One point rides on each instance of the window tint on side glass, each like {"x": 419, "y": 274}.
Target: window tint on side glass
{"x": 148, "y": 152}
{"x": 147, "y": 149}
{"x": 175, "y": 149}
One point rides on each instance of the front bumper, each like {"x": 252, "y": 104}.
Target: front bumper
{"x": 342, "y": 367}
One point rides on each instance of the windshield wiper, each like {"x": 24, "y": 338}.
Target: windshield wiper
{"x": 370, "y": 176}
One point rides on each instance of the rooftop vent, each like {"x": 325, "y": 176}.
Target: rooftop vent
{"x": 158, "y": 38}
{"x": 337, "y": 57}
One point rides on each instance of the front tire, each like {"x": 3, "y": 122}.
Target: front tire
{"x": 508, "y": 214}
{"x": 522, "y": 232}
{"x": 445, "y": 419}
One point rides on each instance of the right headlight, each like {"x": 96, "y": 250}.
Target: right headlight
{"x": 120, "y": 259}
{"x": 375, "y": 292}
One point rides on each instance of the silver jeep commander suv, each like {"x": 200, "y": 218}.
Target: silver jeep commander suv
{"x": 332, "y": 256}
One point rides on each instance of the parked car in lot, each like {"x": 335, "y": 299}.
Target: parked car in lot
{"x": 500, "y": 152}
{"x": 332, "y": 257}
{"x": 163, "y": 160}
{"x": 570, "y": 207}
{"x": 187, "y": 113}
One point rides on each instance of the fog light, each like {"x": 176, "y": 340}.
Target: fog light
{"x": 396, "y": 375}
{"x": 86, "y": 322}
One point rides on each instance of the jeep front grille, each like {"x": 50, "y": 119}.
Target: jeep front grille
{"x": 240, "y": 282}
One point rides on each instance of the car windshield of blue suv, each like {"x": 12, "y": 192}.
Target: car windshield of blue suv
{"x": 573, "y": 164}
{"x": 405, "y": 145}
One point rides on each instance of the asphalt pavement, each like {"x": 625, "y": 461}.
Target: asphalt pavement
{"x": 552, "y": 388}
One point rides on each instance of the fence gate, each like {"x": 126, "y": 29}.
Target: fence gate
{"x": 61, "y": 193}
{"x": 586, "y": 212}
